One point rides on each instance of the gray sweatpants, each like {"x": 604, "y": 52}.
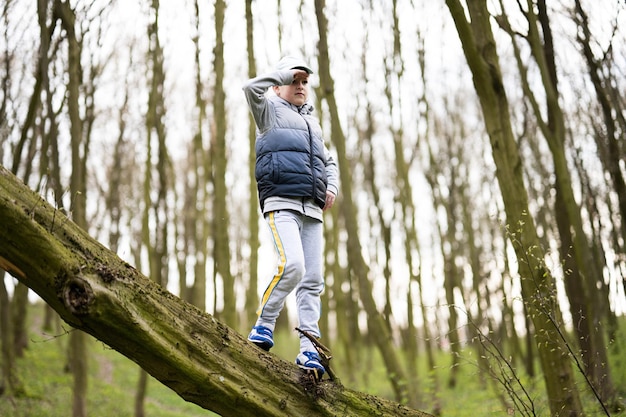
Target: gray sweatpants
{"x": 298, "y": 243}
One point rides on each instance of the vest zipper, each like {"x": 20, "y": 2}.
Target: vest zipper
{"x": 311, "y": 156}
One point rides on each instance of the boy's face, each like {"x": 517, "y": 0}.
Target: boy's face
{"x": 297, "y": 92}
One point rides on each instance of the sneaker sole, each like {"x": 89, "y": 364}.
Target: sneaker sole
{"x": 262, "y": 345}
{"x": 312, "y": 369}
{"x": 316, "y": 373}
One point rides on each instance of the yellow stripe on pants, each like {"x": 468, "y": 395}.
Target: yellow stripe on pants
{"x": 281, "y": 263}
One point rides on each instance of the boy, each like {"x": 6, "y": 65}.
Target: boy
{"x": 297, "y": 180}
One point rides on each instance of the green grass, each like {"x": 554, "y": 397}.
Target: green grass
{"x": 113, "y": 381}
{"x": 111, "y": 386}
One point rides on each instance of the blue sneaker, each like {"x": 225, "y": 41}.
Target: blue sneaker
{"x": 262, "y": 337}
{"x": 310, "y": 361}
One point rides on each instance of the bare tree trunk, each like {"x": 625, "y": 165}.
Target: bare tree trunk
{"x": 370, "y": 174}
{"x": 79, "y": 368}
{"x": 18, "y": 316}
{"x": 7, "y": 360}
{"x": 78, "y": 348}
{"x": 41, "y": 77}
{"x": 6, "y": 80}
{"x": 221, "y": 211}
{"x": 343, "y": 298}
{"x": 253, "y": 202}
{"x": 376, "y": 324}
{"x": 142, "y": 381}
{"x": 155, "y": 210}
{"x": 16, "y": 308}
{"x": 116, "y": 173}
{"x": 538, "y": 286}
{"x": 195, "y": 222}
{"x": 10, "y": 384}
{"x": 140, "y": 395}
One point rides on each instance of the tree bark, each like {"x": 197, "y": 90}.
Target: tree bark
{"x": 376, "y": 325}
{"x": 78, "y": 357}
{"x": 201, "y": 359}
{"x": 221, "y": 249}
{"x": 158, "y": 174}
{"x": 10, "y": 383}
{"x": 195, "y": 223}
{"x": 18, "y": 318}
{"x": 253, "y": 202}
{"x": 140, "y": 395}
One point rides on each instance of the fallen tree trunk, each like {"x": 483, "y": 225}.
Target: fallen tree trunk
{"x": 201, "y": 359}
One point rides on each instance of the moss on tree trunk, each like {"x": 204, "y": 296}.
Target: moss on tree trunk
{"x": 198, "y": 357}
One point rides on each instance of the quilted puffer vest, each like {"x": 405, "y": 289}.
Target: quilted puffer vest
{"x": 290, "y": 160}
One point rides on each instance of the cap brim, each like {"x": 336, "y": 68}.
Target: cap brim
{"x": 307, "y": 69}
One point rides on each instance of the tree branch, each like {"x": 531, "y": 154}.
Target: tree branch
{"x": 186, "y": 349}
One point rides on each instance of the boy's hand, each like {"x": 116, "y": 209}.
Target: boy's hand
{"x": 330, "y": 200}
{"x": 300, "y": 75}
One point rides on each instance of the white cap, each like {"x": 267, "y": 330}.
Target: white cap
{"x": 290, "y": 62}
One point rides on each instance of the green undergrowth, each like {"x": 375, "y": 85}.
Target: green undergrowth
{"x": 111, "y": 388}
{"x": 113, "y": 381}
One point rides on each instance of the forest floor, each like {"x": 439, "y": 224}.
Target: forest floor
{"x": 113, "y": 380}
